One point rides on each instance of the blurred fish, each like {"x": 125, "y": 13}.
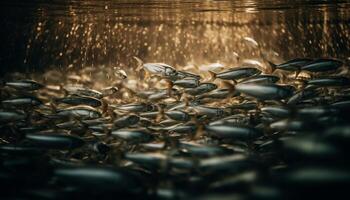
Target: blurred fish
{"x": 25, "y": 85}
{"x": 159, "y": 69}
{"x": 235, "y": 73}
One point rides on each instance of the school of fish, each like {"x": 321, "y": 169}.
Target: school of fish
{"x": 252, "y": 131}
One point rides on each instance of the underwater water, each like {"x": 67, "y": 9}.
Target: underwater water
{"x": 40, "y": 34}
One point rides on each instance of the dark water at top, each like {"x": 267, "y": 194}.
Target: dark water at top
{"x": 68, "y": 34}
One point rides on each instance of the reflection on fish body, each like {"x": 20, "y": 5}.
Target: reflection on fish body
{"x": 236, "y": 73}
{"x": 27, "y": 102}
{"x": 25, "y": 85}
{"x": 202, "y": 88}
{"x": 265, "y": 92}
{"x": 82, "y": 91}
{"x": 80, "y": 112}
{"x": 9, "y": 116}
{"x": 238, "y": 132}
{"x": 322, "y": 65}
{"x": 80, "y": 100}
{"x": 54, "y": 141}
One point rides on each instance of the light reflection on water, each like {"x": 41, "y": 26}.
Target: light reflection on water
{"x": 84, "y": 33}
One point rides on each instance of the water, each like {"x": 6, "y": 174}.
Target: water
{"x": 73, "y": 34}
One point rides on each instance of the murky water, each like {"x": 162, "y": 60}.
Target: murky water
{"x": 70, "y": 34}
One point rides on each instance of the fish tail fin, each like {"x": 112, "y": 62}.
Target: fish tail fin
{"x": 212, "y": 75}
{"x": 53, "y": 106}
{"x": 139, "y": 63}
{"x": 273, "y": 66}
{"x": 160, "y": 114}
{"x": 231, "y": 87}
{"x": 199, "y": 130}
{"x": 104, "y": 106}
{"x": 170, "y": 85}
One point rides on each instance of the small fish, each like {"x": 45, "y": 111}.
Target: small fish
{"x": 227, "y": 163}
{"x": 238, "y": 132}
{"x": 153, "y": 161}
{"x": 79, "y": 100}
{"x": 219, "y": 94}
{"x": 202, "y": 88}
{"x": 100, "y": 179}
{"x": 54, "y": 141}
{"x": 322, "y": 65}
{"x": 101, "y": 128}
{"x": 121, "y": 73}
{"x": 137, "y": 107}
{"x": 108, "y": 91}
{"x": 261, "y": 79}
{"x": 178, "y": 115}
{"x": 159, "y": 69}
{"x": 200, "y": 150}
{"x": 302, "y": 95}
{"x": 243, "y": 106}
{"x": 26, "y": 85}
{"x": 133, "y": 135}
{"x": 126, "y": 121}
{"x": 329, "y": 81}
{"x": 291, "y": 65}
{"x": 82, "y": 91}
{"x": 22, "y": 102}
{"x": 188, "y": 82}
{"x": 188, "y": 128}
{"x": 163, "y": 94}
{"x": 235, "y": 73}
{"x": 79, "y": 112}
{"x": 209, "y": 112}
{"x": 276, "y": 111}
{"x": 183, "y": 75}
{"x": 8, "y": 116}
{"x": 265, "y": 92}
{"x": 251, "y": 42}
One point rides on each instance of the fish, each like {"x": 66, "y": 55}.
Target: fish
{"x": 277, "y": 111}
{"x": 322, "y": 65}
{"x": 219, "y": 94}
{"x": 25, "y": 85}
{"x": 27, "y": 102}
{"x": 238, "y": 132}
{"x": 151, "y": 161}
{"x": 108, "y": 91}
{"x": 79, "y": 112}
{"x": 103, "y": 179}
{"x": 54, "y": 141}
{"x": 291, "y": 65}
{"x": 329, "y": 81}
{"x": 202, "y": 88}
{"x": 82, "y": 91}
{"x": 261, "y": 79}
{"x": 186, "y": 75}
{"x": 178, "y": 115}
{"x": 132, "y": 135}
{"x": 188, "y": 82}
{"x": 210, "y": 112}
{"x": 235, "y": 73}
{"x": 121, "y": 73}
{"x": 159, "y": 69}
{"x": 126, "y": 121}
{"x": 11, "y": 116}
{"x": 163, "y": 94}
{"x": 137, "y": 107}
{"x": 79, "y": 100}
{"x": 265, "y": 92}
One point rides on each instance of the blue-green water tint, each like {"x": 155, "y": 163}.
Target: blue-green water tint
{"x": 39, "y": 34}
